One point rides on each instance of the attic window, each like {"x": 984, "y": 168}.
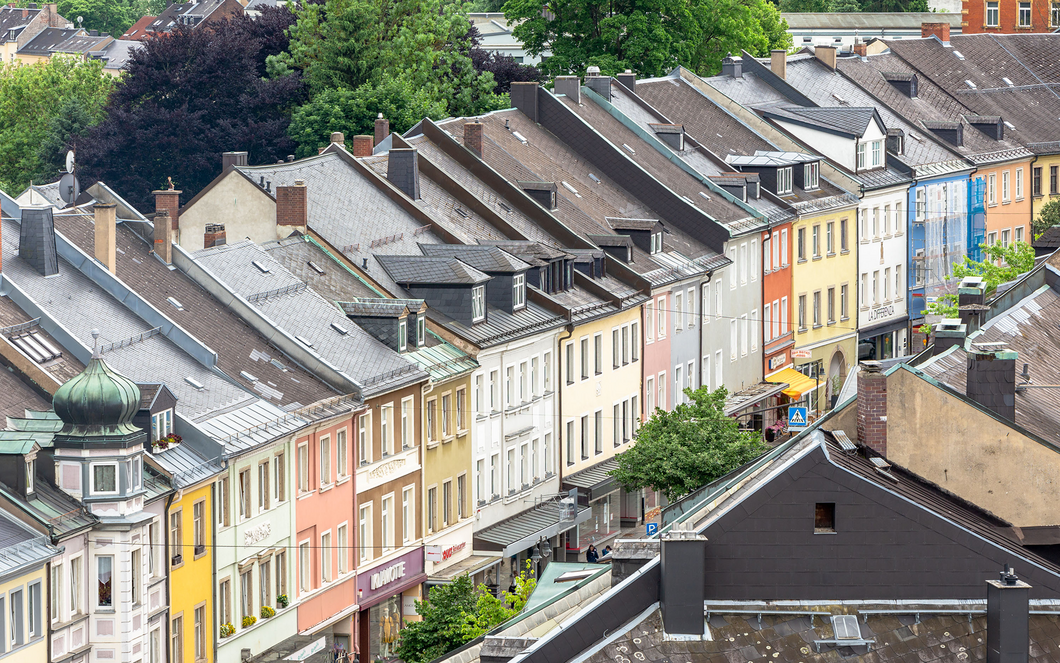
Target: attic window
{"x": 811, "y": 173}
{"x": 403, "y": 335}
{"x": 1007, "y": 81}
{"x": 421, "y": 330}
{"x": 784, "y": 178}
{"x": 478, "y": 303}
{"x": 518, "y": 292}
{"x": 31, "y": 471}
{"x": 195, "y": 384}
{"x": 261, "y": 267}
{"x": 824, "y": 518}
{"x": 305, "y": 341}
{"x": 959, "y": 55}
{"x": 970, "y": 84}
{"x": 519, "y": 137}
{"x": 656, "y": 242}
{"x": 315, "y": 267}
{"x": 845, "y": 627}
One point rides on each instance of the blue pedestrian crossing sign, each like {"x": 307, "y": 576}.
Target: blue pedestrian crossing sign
{"x": 797, "y": 417}
{"x": 651, "y": 529}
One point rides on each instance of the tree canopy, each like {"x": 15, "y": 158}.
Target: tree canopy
{"x": 649, "y": 37}
{"x": 1048, "y": 216}
{"x": 839, "y": 6}
{"x": 187, "y": 98}
{"x": 680, "y": 450}
{"x": 42, "y": 106}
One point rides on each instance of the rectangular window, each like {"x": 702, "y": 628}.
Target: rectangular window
{"x": 386, "y": 420}
{"x": 570, "y": 363}
{"x": 705, "y": 306}
{"x": 743, "y": 267}
{"x": 430, "y": 418}
{"x": 548, "y": 454}
{"x": 478, "y": 303}
{"x": 305, "y": 582}
{"x": 447, "y": 414}
{"x": 585, "y": 437}
{"x": 625, "y": 345}
{"x": 263, "y": 487}
{"x": 899, "y": 219}
{"x": 1036, "y": 181}
{"x": 364, "y": 438}
{"x": 784, "y": 328}
{"x": 734, "y": 339}
{"x": 661, "y": 314}
{"x": 447, "y": 502}
{"x": 461, "y": 487}
{"x": 877, "y": 153}
{"x": 33, "y": 608}
{"x": 864, "y": 293}
{"x": 1019, "y": 184}
{"x": 198, "y": 521}
{"x": 1005, "y": 235}
{"x": 778, "y": 261}
{"x": 810, "y": 175}
{"x": 408, "y": 513}
{"x": 829, "y": 243}
{"x": 777, "y": 329}
{"x": 766, "y": 256}
{"x": 364, "y": 532}
{"x": 224, "y": 599}
{"x": 862, "y": 155}
{"x": 461, "y": 400}
{"x": 1025, "y": 15}
{"x": 801, "y": 245}
{"x": 511, "y": 471}
{"x": 223, "y": 501}
{"x": 649, "y": 320}
{"x": 303, "y": 465}
{"x": 56, "y": 591}
{"x": 843, "y": 302}
{"x": 598, "y": 354}
{"x": 1054, "y": 15}
{"x": 831, "y": 305}
{"x": 264, "y": 582}
{"x": 817, "y": 308}
{"x": 899, "y": 287}
{"x": 200, "y": 633}
{"x": 784, "y": 247}
{"x": 325, "y": 551}
{"x": 662, "y": 388}
{"x": 342, "y": 551}
{"x": 598, "y": 420}
{"x": 784, "y": 180}
{"x": 843, "y": 235}
{"x": 616, "y": 349}
{"x": 325, "y": 461}
{"x": 704, "y": 371}
{"x": 1005, "y": 186}
{"x": 281, "y": 573}
{"x": 921, "y": 204}
{"x": 1053, "y": 179}
{"x": 802, "y": 312}
{"x": 584, "y": 347}
{"x": 634, "y": 340}
{"x": 341, "y": 468}
{"x": 817, "y": 241}
{"x": 546, "y": 371}
{"x": 875, "y": 288}
{"x": 616, "y": 425}
{"x": 518, "y": 291}
{"x": 1019, "y": 233}
{"x": 992, "y": 14}
{"x": 570, "y": 443}
{"x": 176, "y": 538}
{"x": 679, "y": 314}
{"x": 887, "y": 284}
{"x": 744, "y": 335}
{"x": 177, "y": 639}
{"x": 824, "y": 518}
{"x": 649, "y": 391}
{"x": 104, "y": 581}
{"x": 767, "y": 322}
{"x": 104, "y": 478}
{"x": 509, "y": 386}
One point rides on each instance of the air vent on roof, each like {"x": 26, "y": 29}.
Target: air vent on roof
{"x": 1009, "y": 125}
{"x": 248, "y": 377}
{"x": 568, "y": 187}
{"x": 594, "y": 178}
{"x": 305, "y": 341}
{"x": 261, "y": 267}
{"x": 177, "y": 305}
{"x": 631, "y": 150}
{"x": 195, "y": 383}
{"x": 1007, "y": 81}
{"x": 340, "y": 329}
{"x": 705, "y": 196}
{"x": 970, "y": 84}
{"x": 519, "y": 137}
{"x": 315, "y": 267}
{"x": 846, "y": 627}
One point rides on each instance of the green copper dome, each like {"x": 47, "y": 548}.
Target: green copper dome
{"x": 99, "y": 401}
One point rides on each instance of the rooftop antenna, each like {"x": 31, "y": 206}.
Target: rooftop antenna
{"x": 80, "y": 20}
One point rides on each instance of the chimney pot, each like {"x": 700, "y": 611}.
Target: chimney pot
{"x": 382, "y": 129}
{"x": 292, "y": 206}
{"x": 163, "y": 236}
{"x": 778, "y": 63}
{"x": 473, "y": 137}
{"x": 939, "y": 30}
{"x": 105, "y": 229}
{"x": 362, "y": 146}
{"x": 872, "y": 407}
{"x": 337, "y": 137}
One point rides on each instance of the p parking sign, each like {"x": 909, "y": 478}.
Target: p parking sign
{"x": 797, "y": 417}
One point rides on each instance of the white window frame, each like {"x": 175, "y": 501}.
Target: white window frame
{"x": 478, "y": 303}
{"x": 519, "y": 291}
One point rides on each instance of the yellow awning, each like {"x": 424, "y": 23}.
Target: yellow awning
{"x": 798, "y": 384}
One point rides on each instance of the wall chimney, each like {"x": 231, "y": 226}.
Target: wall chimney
{"x": 105, "y": 221}
{"x": 363, "y": 145}
{"x": 948, "y": 333}
{"x": 629, "y": 79}
{"x": 292, "y": 205}
{"x": 403, "y": 170}
{"x": 1007, "y": 619}
{"x": 601, "y": 85}
{"x": 778, "y": 62}
{"x": 826, "y": 55}
{"x": 629, "y": 555}
{"x": 682, "y": 585}
{"x": 473, "y": 137}
{"x": 524, "y": 97}
{"x": 232, "y": 159}
{"x": 991, "y": 381}
{"x": 36, "y": 240}
{"x": 214, "y": 235}
{"x": 940, "y": 30}
{"x": 382, "y": 129}
{"x": 732, "y": 66}
{"x": 338, "y": 137}
{"x": 169, "y": 200}
{"x": 971, "y": 301}
{"x": 571, "y": 86}
{"x": 164, "y": 236}
{"x": 872, "y": 407}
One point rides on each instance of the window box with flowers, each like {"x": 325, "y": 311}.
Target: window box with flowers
{"x": 227, "y": 630}
{"x": 267, "y": 611}
{"x": 282, "y": 601}
{"x": 166, "y": 442}
{"x": 249, "y": 621}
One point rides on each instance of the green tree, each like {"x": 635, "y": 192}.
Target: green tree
{"x": 999, "y": 265}
{"x": 649, "y": 37}
{"x": 33, "y": 100}
{"x": 680, "y": 450}
{"x": 1048, "y": 216}
{"x": 110, "y": 16}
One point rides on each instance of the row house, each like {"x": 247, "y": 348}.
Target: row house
{"x": 20, "y": 25}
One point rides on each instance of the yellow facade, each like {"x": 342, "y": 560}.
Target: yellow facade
{"x": 1046, "y": 194}
{"x": 591, "y": 398}
{"x": 447, "y": 456}
{"x": 35, "y": 646}
{"x": 825, "y": 295}
{"x": 191, "y": 579}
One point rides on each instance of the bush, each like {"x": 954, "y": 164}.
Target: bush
{"x": 227, "y": 629}
{"x": 267, "y": 611}
{"x": 249, "y": 621}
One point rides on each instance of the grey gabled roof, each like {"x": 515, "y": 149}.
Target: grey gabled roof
{"x": 486, "y": 258}
{"x": 846, "y": 120}
{"x": 428, "y": 270}
{"x": 47, "y": 40}
{"x": 764, "y": 158}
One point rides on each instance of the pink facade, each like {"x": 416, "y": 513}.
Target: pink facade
{"x": 656, "y": 352}
{"x": 324, "y": 464}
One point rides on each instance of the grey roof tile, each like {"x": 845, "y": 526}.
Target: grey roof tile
{"x": 430, "y": 270}
{"x": 485, "y": 258}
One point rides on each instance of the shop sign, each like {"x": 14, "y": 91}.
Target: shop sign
{"x": 881, "y": 312}
{"x": 389, "y": 579}
{"x": 388, "y": 575}
{"x": 801, "y": 354}
{"x": 778, "y": 361}
{"x": 307, "y": 651}
{"x": 440, "y": 554}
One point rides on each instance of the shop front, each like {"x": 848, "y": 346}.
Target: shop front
{"x": 884, "y": 341}
{"x": 386, "y": 595}
{"x": 610, "y": 508}
{"x": 542, "y": 528}
{"x": 451, "y": 554}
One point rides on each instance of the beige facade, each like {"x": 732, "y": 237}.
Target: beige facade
{"x": 245, "y": 209}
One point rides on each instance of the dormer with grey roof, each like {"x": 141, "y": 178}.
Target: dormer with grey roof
{"x": 551, "y": 269}
{"x": 646, "y": 234}
{"x": 951, "y": 132}
{"x": 397, "y": 323}
{"x": 506, "y": 288}
{"x": 449, "y": 285}
{"x": 782, "y": 172}
{"x": 850, "y": 136}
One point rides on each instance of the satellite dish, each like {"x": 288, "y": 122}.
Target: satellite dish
{"x": 69, "y": 188}
{"x": 70, "y": 161}
{"x": 80, "y": 20}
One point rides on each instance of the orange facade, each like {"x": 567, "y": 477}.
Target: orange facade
{"x": 777, "y": 330}
{"x": 1007, "y": 198}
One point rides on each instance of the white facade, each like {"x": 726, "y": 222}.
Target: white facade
{"x": 883, "y": 242}
{"x": 515, "y": 448}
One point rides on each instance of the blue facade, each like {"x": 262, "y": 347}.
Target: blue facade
{"x": 940, "y": 234}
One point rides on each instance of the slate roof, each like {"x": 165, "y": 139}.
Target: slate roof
{"x": 868, "y": 20}
{"x": 64, "y": 367}
{"x": 16, "y": 396}
{"x": 21, "y": 548}
{"x": 375, "y": 308}
{"x": 349, "y": 211}
{"x": 175, "y": 14}
{"x": 848, "y": 120}
{"x": 119, "y": 52}
{"x": 302, "y": 312}
{"x": 47, "y": 41}
{"x": 12, "y": 18}
{"x": 427, "y": 270}
{"x": 83, "y": 43}
{"x": 488, "y": 259}
{"x": 143, "y": 357}
{"x": 62, "y": 513}
{"x": 239, "y": 347}
{"x": 1027, "y": 327}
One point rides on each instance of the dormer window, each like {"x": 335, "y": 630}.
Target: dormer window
{"x": 518, "y": 291}
{"x": 421, "y": 330}
{"x": 811, "y": 174}
{"x": 870, "y": 154}
{"x": 403, "y": 335}
{"x": 31, "y": 471}
{"x": 784, "y": 180}
{"x": 478, "y": 303}
{"x": 161, "y": 425}
{"x": 656, "y": 243}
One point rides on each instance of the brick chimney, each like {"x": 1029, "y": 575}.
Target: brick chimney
{"x": 473, "y": 137}
{"x": 1007, "y": 619}
{"x": 232, "y": 159}
{"x": 214, "y": 235}
{"x": 778, "y": 62}
{"x": 403, "y": 170}
{"x": 105, "y": 222}
{"x": 362, "y": 146}
{"x": 382, "y": 129}
{"x": 940, "y": 30}
{"x": 861, "y": 49}
{"x": 826, "y": 55}
{"x": 292, "y": 205}
{"x": 36, "y": 240}
{"x": 872, "y": 407}
{"x": 163, "y": 236}
{"x": 991, "y": 381}
{"x": 169, "y": 200}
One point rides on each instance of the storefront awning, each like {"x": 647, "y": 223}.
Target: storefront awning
{"x": 595, "y": 481}
{"x": 798, "y": 384}
{"x": 526, "y": 529}
{"x": 752, "y": 396}
{"x": 469, "y": 565}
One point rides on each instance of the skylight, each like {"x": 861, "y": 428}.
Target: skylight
{"x": 248, "y": 377}
{"x": 705, "y": 196}
{"x": 568, "y": 187}
{"x": 305, "y": 341}
{"x": 261, "y": 267}
{"x": 958, "y": 54}
{"x": 1009, "y": 125}
{"x": 519, "y": 137}
{"x": 631, "y": 150}
{"x": 339, "y": 328}
{"x": 195, "y": 383}
{"x": 594, "y": 178}
{"x": 315, "y": 267}
{"x": 1007, "y": 81}
{"x": 970, "y": 84}
{"x": 177, "y": 305}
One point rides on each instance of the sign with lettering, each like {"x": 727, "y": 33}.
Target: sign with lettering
{"x": 880, "y": 312}
{"x": 388, "y": 575}
{"x": 390, "y": 578}
{"x": 432, "y": 553}
{"x": 801, "y": 354}
{"x": 778, "y": 361}
{"x": 651, "y": 529}
{"x": 307, "y": 651}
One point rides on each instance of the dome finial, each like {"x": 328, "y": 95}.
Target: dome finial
{"x": 96, "y": 354}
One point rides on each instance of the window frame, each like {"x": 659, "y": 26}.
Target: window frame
{"x": 478, "y": 303}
